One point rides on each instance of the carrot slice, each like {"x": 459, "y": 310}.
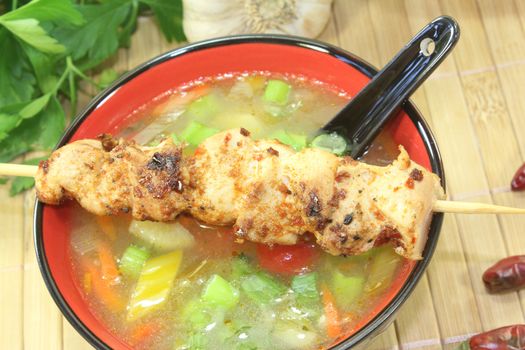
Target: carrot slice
{"x": 144, "y": 331}
{"x": 198, "y": 91}
{"x": 333, "y": 322}
{"x": 105, "y": 293}
{"x": 88, "y": 282}
{"x": 107, "y": 226}
{"x": 108, "y": 266}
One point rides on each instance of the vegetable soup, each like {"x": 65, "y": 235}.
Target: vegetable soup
{"x": 187, "y": 285}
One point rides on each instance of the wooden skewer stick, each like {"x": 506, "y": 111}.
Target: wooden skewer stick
{"x": 7, "y": 169}
{"x": 441, "y": 206}
{"x": 474, "y": 208}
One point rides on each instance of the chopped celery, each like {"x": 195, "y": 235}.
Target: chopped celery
{"x": 220, "y": 292}
{"x": 246, "y": 346}
{"x": 197, "y": 313}
{"x": 205, "y": 106}
{"x": 241, "y": 267}
{"x": 196, "y": 132}
{"x": 305, "y": 288}
{"x": 332, "y": 142}
{"x": 262, "y": 288}
{"x": 296, "y": 141}
{"x": 197, "y": 341}
{"x": 277, "y": 91}
{"x": 162, "y": 236}
{"x": 347, "y": 288}
{"x": 132, "y": 261}
{"x": 154, "y": 284}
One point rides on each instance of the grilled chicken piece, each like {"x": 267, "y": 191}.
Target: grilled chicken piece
{"x": 269, "y": 192}
{"x": 108, "y": 177}
{"x": 374, "y": 205}
{"x": 216, "y": 170}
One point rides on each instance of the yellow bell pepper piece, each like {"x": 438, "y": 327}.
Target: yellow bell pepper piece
{"x": 154, "y": 284}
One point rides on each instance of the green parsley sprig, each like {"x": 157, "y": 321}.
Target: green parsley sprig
{"x": 46, "y": 49}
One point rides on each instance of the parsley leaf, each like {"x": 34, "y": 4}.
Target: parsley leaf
{"x": 98, "y": 38}
{"x": 50, "y": 125}
{"x": 12, "y": 116}
{"x": 47, "y": 46}
{"x": 107, "y": 77}
{"x": 169, "y": 17}
{"x": 41, "y": 131}
{"x": 30, "y": 31}
{"x": 21, "y": 184}
{"x": 44, "y": 67}
{"x": 58, "y": 11}
{"x": 14, "y": 146}
{"x": 17, "y": 82}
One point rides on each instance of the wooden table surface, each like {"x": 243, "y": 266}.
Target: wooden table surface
{"x": 475, "y": 104}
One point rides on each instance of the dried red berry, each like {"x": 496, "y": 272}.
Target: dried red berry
{"x": 518, "y": 181}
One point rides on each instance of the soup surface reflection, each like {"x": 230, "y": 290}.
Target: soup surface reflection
{"x": 186, "y": 285}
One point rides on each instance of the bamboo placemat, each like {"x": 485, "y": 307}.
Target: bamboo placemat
{"x": 475, "y": 104}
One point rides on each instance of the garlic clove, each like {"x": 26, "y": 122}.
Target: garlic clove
{"x": 201, "y": 30}
{"x": 312, "y": 17}
{"x": 204, "y": 19}
{"x": 207, "y": 19}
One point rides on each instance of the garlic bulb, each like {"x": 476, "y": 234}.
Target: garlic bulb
{"x": 204, "y": 19}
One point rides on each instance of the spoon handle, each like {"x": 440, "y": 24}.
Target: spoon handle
{"x": 365, "y": 115}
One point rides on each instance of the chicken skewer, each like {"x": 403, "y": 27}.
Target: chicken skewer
{"x": 269, "y": 192}
{"x": 440, "y": 206}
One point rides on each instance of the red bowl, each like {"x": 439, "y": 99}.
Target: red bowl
{"x": 112, "y": 109}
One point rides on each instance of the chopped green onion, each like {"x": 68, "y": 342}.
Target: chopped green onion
{"x": 262, "y": 288}
{"x": 296, "y": 141}
{"x": 132, "y": 261}
{"x": 220, "y": 292}
{"x": 347, "y": 288}
{"x": 333, "y": 143}
{"x": 205, "y": 106}
{"x": 241, "y": 267}
{"x": 154, "y": 284}
{"x": 277, "y": 91}
{"x": 195, "y": 133}
{"x": 305, "y": 288}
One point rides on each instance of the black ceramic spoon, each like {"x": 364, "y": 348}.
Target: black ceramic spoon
{"x": 365, "y": 115}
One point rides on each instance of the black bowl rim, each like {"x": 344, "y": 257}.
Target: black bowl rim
{"x": 379, "y": 321}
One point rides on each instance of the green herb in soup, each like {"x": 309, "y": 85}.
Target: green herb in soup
{"x": 186, "y": 285}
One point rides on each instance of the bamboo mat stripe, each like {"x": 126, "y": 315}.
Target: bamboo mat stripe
{"x": 475, "y": 104}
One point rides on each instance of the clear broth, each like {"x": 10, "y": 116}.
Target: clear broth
{"x": 284, "y": 323}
